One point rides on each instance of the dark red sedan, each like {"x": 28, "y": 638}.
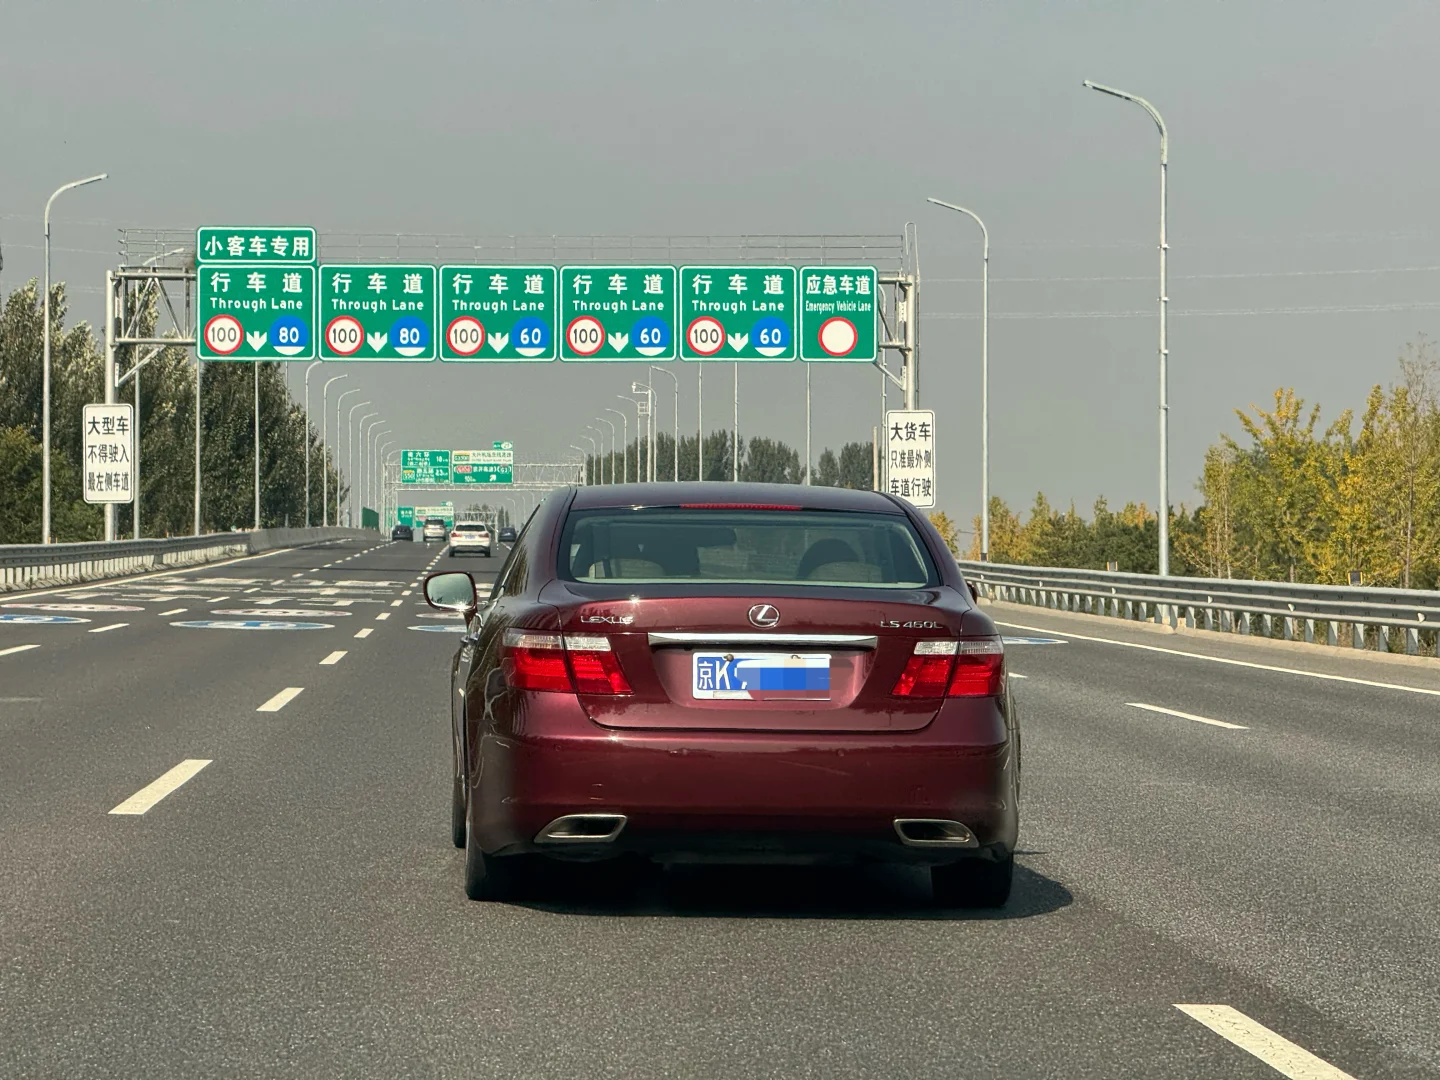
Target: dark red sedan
{"x": 734, "y": 673}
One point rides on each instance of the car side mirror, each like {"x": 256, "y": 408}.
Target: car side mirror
{"x": 451, "y": 591}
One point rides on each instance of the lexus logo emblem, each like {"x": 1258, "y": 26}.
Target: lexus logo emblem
{"x": 764, "y": 615}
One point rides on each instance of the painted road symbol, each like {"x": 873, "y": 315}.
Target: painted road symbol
{"x": 441, "y": 629}
{"x": 585, "y": 335}
{"x": 838, "y": 336}
{"x": 344, "y": 335}
{"x": 250, "y": 624}
{"x": 75, "y": 607}
{"x": 705, "y": 335}
{"x": 29, "y": 619}
{"x": 224, "y": 334}
{"x": 1032, "y": 641}
{"x": 465, "y": 335}
{"x": 284, "y": 613}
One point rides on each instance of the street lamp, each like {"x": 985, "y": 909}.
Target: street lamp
{"x": 673, "y": 378}
{"x": 384, "y": 498}
{"x": 305, "y": 441}
{"x": 581, "y": 451}
{"x": 984, "y": 377}
{"x": 611, "y": 424}
{"x": 349, "y": 468}
{"x": 642, "y": 465}
{"x": 599, "y": 464}
{"x": 324, "y": 432}
{"x": 372, "y": 444}
{"x": 1164, "y": 511}
{"x": 45, "y": 373}
{"x": 624, "y": 444}
{"x": 364, "y": 474}
{"x": 350, "y": 459}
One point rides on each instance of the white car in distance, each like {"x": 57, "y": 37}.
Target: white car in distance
{"x": 470, "y": 538}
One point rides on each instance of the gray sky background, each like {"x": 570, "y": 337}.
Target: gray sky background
{"x": 1303, "y": 171}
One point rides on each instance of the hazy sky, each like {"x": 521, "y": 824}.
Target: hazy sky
{"x": 1303, "y": 218}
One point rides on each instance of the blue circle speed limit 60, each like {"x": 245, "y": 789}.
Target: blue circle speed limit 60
{"x": 530, "y": 336}
{"x": 410, "y": 335}
{"x": 770, "y": 336}
{"x": 650, "y": 336}
{"x": 289, "y": 335}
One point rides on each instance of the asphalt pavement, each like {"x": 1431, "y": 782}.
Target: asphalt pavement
{"x": 1248, "y": 833}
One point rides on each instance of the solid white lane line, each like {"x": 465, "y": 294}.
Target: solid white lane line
{"x": 1227, "y": 660}
{"x": 366, "y": 632}
{"x": 396, "y": 603}
{"x": 334, "y": 657}
{"x": 1256, "y": 1039}
{"x": 112, "y": 626}
{"x": 382, "y": 616}
{"x": 280, "y": 700}
{"x": 17, "y": 648}
{"x": 153, "y": 792}
{"x": 1187, "y": 716}
{"x": 174, "y": 611}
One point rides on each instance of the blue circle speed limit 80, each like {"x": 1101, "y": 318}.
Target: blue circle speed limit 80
{"x": 289, "y": 335}
{"x": 410, "y": 335}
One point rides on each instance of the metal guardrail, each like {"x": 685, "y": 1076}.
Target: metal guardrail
{"x": 26, "y": 566}
{"x": 1387, "y": 620}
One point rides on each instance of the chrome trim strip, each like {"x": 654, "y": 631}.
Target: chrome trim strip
{"x": 696, "y": 637}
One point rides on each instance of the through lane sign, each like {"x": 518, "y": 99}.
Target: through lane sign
{"x": 255, "y": 311}
{"x": 837, "y": 313}
{"x": 737, "y": 313}
{"x": 617, "y": 313}
{"x": 498, "y": 313}
{"x": 381, "y": 312}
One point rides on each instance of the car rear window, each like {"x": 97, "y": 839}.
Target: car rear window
{"x": 744, "y": 546}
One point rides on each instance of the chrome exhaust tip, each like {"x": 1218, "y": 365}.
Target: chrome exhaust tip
{"x": 934, "y": 832}
{"x": 582, "y": 829}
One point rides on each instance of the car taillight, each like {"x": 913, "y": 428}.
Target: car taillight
{"x": 935, "y": 669}
{"x": 533, "y": 661}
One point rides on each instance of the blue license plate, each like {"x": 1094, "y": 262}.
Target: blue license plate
{"x": 761, "y": 676}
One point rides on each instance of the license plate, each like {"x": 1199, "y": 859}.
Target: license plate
{"x": 761, "y": 676}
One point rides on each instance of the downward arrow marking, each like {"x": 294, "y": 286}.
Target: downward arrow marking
{"x": 619, "y": 341}
{"x": 499, "y": 341}
{"x": 377, "y": 341}
{"x": 257, "y": 341}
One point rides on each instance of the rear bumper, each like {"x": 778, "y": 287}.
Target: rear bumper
{"x": 722, "y": 794}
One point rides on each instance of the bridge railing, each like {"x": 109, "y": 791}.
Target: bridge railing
{"x": 29, "y": 566}
{"x": 1388, "y": 620}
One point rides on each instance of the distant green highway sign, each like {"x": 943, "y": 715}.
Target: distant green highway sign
{"x": 737, "y": 313}
{"x": 498, "y": 313}
{"x": 617, "y": 313}
{"x": 425, "y": 466}
{"x": 482, "y": 467}
{"x": 385, "y": 311}
{"x": 255, "y": 311}
{"x": 268, "y": 243}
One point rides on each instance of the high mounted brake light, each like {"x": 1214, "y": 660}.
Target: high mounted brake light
{"x": 740, "y": 506}
{"x": 973, "y": 668}
{"x": 568, "y": 663}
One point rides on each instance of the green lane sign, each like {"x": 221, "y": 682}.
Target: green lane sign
{"x": 837, "y": 313}
{"x": 425, "y": 466}
{"x": 245, "y": 243}
{"x": 381, "y": 312}
{"x": 494, "y": 314}
{"x": 737, "y": 313}
{"x": 445, "y": 511}
{"x": 255, "y": 311}
{"x": 617, "y": 313}
{"x": 503, "y": 444}
{"x": 405, "y": 515}
{"x": 481, "y": 467}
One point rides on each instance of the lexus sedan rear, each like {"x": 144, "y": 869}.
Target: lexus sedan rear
{"x": 731, "y": 673}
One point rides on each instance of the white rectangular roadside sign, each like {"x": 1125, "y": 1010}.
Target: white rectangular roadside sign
{"x": 910, "y": 455}
{"x": 109, "y": 448}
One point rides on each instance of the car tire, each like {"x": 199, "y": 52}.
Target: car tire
{"x": 491, "y": 877}
{"x": 457, "y": 812}
{"x": 973, "y": 883}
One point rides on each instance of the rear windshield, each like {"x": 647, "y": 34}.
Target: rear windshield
{"x": 434, "y": 521}
{"x": 769, "y": 547}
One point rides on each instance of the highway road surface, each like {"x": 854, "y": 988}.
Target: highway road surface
{"x": 224, "y": 853}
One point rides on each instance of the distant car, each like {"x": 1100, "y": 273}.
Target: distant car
{"x": 507, "y": 534}
{"x": 470, "y": 538}
{"x": 737, "y": 672}
{"x": 402, "y": 532}
{"x": 434, "y": 530}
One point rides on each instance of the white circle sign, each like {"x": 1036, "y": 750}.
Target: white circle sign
{"x": 705, "y": 335}
{"x": 223, "y": 334}
{"x": 344, "y": 335}
{"x": 465, "y": 335}
{"x": 585, "y": 335}
{"x": 838, "y": 336}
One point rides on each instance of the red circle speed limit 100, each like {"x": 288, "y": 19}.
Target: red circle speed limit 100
{"x": 223, "y": 334}
{"x": 705, "y": 335}
{"x": 585, "y": 335}
{"x": 344, "y": 335}
{"x": 465, "y": 335}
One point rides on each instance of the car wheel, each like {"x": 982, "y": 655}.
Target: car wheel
{"x": 491, "y": 877}
{"x": 973, "y": 883}
{"x": 457, "y": 813}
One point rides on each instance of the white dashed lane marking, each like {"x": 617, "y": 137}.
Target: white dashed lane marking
{"x": 153, "y": 792}
{"x": 280, "y": 700}
{"x": 366, "y": 632}
{"x": 174, "y": 611}
{"x": 1186, "y": 716}
{"x": 334, "y": 657}
{"x": 17, "y": 649}
{"x": 382, "y": 616}
{"x": 1282, "y": 1055}
{"x": 112, "y": 626}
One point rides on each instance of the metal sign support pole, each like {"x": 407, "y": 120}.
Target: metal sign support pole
{"x": 109, "y": 379}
